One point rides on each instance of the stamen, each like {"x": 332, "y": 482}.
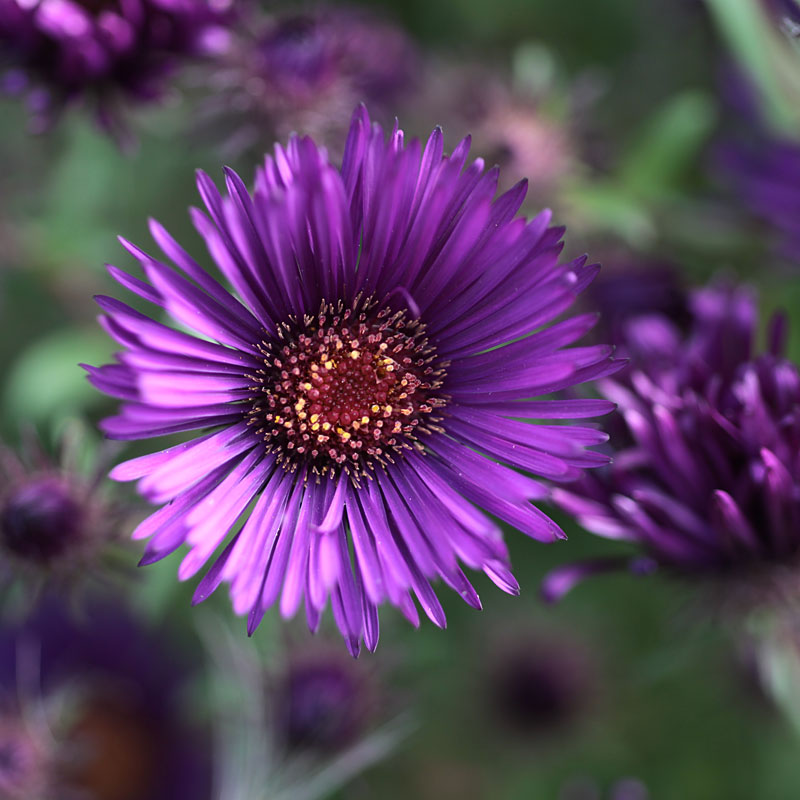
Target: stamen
{"x": 346, "y": 389}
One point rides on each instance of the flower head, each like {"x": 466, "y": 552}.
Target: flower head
{"x": 363, "y": 390}
{"x": 539, "y": 684}
{"x": 530, "y": 131}
{"x": 56, "y": 523}
{"x": 707, "y": 482}
{"x": 286, "y": 713}
{"x": 40, "y": 520}
{"x": 92, "y": 710}
{"x": 305, "y": 71}
{"x": 101, "y": 51}
{"x": 320, "y": 702}
{"x": 524, "y": 141}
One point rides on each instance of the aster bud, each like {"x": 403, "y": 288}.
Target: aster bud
{"x": 321, "y": 702}
{"x": 57, "y": 524}
{"x": 41, "y": 520}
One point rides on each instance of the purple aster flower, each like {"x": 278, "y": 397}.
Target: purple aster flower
{"x": 363, "y": 393}
{"x": 57, "y": 525}
{"x": 93, "y": 710}
{"x": 101, "y": 51}
{"x": 705, "y": 480}
{"x": 306, "y": 71}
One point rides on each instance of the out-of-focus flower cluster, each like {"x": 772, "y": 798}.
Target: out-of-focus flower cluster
{"x": 305, "y": 72}
{"x": 106, "y": 54}
{"x": 92, "y": 707}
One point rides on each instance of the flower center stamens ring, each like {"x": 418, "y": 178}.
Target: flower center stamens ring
{"x": 347, "y": 388}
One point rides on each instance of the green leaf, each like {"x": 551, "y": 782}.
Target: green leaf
{"x": 534, "y": 69}
{"x": 46, "y": 385}
{"x": 667, "y": 145}
{"x": 603, "y": 206}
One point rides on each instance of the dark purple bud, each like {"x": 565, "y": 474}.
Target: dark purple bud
{"x": 320, "y": 704}
{"x": 40, "y": 520}
{"x": 296, "y": 52}
{"x": 539, "y": 684}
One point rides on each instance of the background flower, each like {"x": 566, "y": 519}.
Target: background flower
{"x": 539, "y": 684}
{"x": 92, "y": 708}
{"x": 107, "y": 54}
{"x": 762, "y": 165}
{"x": 304, "y": 71}
{"x": 58, "y": 525}
{"x": 321, "y": 701}
{"x": 705, "y": 483}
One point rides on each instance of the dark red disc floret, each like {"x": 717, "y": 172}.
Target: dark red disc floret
{"x": 346, "y": 389}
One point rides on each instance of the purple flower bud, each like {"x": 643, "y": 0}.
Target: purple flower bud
{"x": 306, "y": 71}
{"x": 40, "y": 520}
{"x": 57, "y": 525}
{"x": 539, "y": 684}
{"x": 321, "y": 703}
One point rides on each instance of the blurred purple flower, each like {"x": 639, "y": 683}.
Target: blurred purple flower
{"x": 321, "y": 701}
{"x": 539, "y": 684}
{"x": 356, "y": 389}
{"x": 92, "y": 710}
{"x": 531, "y": 133}
{"x": 524, "y": 142}
{"x": 56, "y": 524}
{"x": 633, "y": 289}
{"x": 587, "y": 789}
{"x": 765, "y": 172}
{"x": 103, "y": 52}
{"x": 306, "y": 72}
{"x": 707, "y": 481}
{"x": 760, "y": 165}
{"x": 40, "y": 520}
